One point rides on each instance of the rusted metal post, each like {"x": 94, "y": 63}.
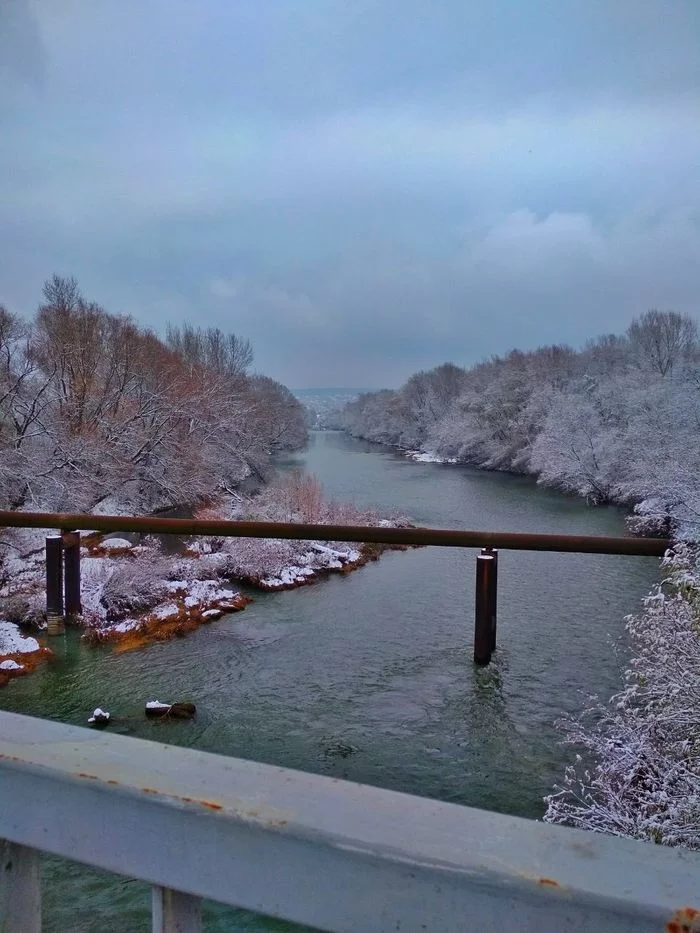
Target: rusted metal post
{"x": 54, "y": 585}
{"x": 483, "y": 620}
{"x": 71, "y": 572}
{"x": 493, "y": 593}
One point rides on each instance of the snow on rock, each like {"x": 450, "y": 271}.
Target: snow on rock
{"x": 156, "y": 704}
{"x": 13, "y": 642}
{"x": 100, "y": 716}
{"x": 10, "y": 665}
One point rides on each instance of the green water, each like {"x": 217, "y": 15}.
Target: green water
{"x": 379, "y": 659}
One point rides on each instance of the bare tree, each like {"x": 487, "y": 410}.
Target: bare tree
{"x": 661, "y": 340}
{"x": 211, "y": 349}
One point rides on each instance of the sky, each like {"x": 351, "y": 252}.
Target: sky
{"x": 362, "y": 188}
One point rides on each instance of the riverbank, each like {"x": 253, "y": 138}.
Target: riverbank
{"x": 644, "y": 782}
{"x": 134, "y": 593}
{"x": 640, "y": 520}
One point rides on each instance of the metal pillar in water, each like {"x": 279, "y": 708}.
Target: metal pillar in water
{"x": 55, "y": 624}
{"x": 71, "y": 572}
{"x": 485, "y": 603}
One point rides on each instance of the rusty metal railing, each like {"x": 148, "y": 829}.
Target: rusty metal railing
{"x": 485, "y": 617}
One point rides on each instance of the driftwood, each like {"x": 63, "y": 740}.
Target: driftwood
{"x": 171, "y": 711}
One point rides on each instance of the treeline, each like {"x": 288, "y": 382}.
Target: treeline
{"x": 98, "y": 412}
{"x": 618, "y": 421}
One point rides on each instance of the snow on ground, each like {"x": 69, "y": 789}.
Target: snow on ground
{"x": 13, "y": 642}
{"x": 421, "y": 456}
{"x": 135, "y": 591}
{"x": 116, "y": 544}
{"x": 166, "y": 611}
{"x": 126, "y": 625}
{"x": 319, "y": 558}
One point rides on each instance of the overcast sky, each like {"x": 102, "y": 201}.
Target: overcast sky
{"x": 363, "y": 188}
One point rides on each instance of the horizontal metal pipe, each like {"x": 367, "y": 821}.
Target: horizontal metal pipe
{"x": 582, "y": 544}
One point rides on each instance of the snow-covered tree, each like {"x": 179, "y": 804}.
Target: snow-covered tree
{"x": 96, "y": 411}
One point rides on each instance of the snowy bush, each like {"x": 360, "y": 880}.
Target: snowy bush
{"x": 644, "y": 779}
{"x": 275, "y": 562}
{"x": 135, "y": 586}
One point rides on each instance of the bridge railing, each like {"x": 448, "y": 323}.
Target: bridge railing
{"x": 63, "y": 552}
{"x": 318, "y": 851}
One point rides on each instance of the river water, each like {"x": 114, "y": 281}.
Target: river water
{"x": 369, "y": 676}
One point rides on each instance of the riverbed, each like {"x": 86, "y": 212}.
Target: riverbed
{"x": 369, "y": 676}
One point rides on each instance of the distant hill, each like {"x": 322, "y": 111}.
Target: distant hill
{"x": 322, "y": 403}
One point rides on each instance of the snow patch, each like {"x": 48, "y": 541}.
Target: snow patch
{"x": 116, "y": 544}
{"x": 99, "y": 714}
{"x": 10, "y": 665}
{"x": 127, "y": 625}
{"x": 422, "y": 456}
{"x": 166, "y": 611}
{"x": 13, "y": 642}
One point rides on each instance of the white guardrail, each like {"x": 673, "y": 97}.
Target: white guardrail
{"x": 334, "y": 855}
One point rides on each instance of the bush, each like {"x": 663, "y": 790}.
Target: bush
{"x": 645, "y": 780}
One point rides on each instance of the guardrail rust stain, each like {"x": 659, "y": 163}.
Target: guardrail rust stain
{"x": 685, "y": 920}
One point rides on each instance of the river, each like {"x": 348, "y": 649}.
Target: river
{"x": 369, "y": 676}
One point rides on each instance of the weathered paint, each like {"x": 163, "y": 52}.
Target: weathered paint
{"x": 333, "y": 855}
{"x": 175, "y": 912}
{"x": 20, "y": 889}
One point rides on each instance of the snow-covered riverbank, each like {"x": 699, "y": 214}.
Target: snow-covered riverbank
{"x": 134, "y": 593}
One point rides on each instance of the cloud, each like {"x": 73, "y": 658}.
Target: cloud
{"x": 357, "y": 191}
{"x": 22, "y": 53}
{"x": 221, "y": 288}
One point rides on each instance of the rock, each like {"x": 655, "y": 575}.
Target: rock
{"x": 116, "y": 544}
{"x": 183, "y": 710}
{"x": 99, "y": 717}
{"x": 157, "y": 710}
{"x": 211, "y": 614}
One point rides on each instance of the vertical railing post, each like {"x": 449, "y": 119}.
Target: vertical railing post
{"x": 483, "y": 603}
{"x": 175, "y": 912}
{"x": 493, "y": 593}
{"x": 54, "y": 585}
{"x": 71, "y": 572}
{"x": 20, "y": 889}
